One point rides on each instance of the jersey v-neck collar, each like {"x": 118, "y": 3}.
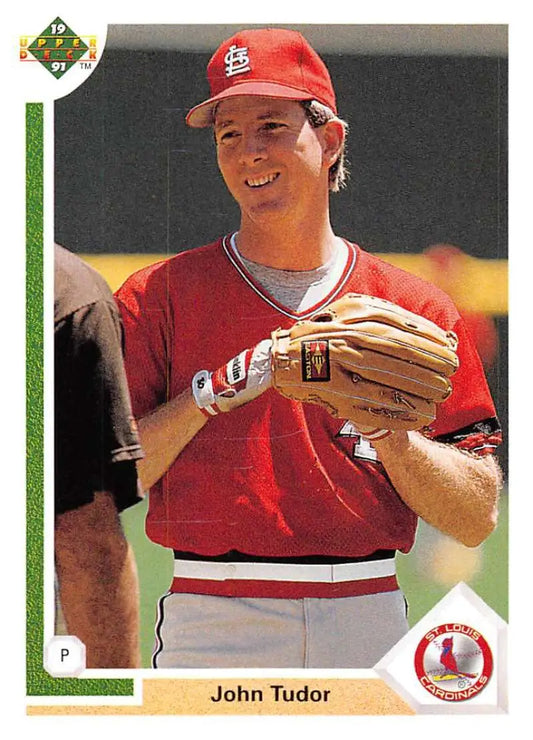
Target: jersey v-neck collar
{"x": 235, "y": 259}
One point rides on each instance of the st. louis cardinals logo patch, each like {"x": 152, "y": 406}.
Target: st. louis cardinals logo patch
{"x": 453, "y": 662}
{"x": 315, "y": 361}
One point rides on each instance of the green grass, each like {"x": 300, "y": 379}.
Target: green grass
{"x": 424, "y": 579}
{"x": 154, "y": 566}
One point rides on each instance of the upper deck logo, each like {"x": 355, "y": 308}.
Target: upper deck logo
{"x": 453, "y": 662}
{"x": 58, "y": 48}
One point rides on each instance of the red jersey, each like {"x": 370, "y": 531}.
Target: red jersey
{"x": 275, "y": 478}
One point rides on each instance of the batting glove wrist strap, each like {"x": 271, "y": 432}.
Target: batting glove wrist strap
{"x": 202, "y": 391}
{"x": 245, "y": 377}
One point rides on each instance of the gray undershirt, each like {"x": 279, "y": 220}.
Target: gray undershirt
{"x": 299, "y": 290}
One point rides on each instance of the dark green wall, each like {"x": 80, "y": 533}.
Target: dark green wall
{"x": 427, "y": 150}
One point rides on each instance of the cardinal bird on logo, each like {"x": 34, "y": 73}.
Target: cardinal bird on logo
{"x": 448, "y": 660}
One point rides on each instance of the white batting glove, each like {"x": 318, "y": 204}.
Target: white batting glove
{"x": 242, "y": 379}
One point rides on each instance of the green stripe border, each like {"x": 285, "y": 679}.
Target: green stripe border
{"x": 38, "y": 681}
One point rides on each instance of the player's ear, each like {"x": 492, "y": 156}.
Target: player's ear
{"x": 332, "y": 137}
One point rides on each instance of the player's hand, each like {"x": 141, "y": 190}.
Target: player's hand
{"x": 242, "y": 379}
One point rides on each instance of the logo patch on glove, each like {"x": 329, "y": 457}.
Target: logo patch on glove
{"x": 236, "y": 369}
{"x": 315, "y": 361}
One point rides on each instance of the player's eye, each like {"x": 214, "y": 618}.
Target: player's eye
{"x": 225, "y": 137}
{"x": 273, "y": 126}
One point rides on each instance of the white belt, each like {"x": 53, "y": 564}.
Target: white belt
{"x": 221, "y": 571}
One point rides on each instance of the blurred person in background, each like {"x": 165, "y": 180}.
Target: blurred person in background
{"x": 447, "y": 263}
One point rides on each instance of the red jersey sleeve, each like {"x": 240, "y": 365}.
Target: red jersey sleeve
{"x": 142, "y": 302}
{"x": 468, "y": 418}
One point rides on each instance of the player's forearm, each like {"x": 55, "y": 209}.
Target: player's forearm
{"x": 98, "y": 585}
{"x": 169, "y": 429}
{"x": 101, "y": 605}
{"x": 453, "y": 491}
{"x": 165, "y": 433}
{"x": 106, "y": 620}
{"x": 121, "y": 643}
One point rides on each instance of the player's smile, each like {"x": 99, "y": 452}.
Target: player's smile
{"x": 259, "y": 182}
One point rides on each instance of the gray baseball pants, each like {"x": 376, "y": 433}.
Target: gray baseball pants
{"x": 199, "y": 631}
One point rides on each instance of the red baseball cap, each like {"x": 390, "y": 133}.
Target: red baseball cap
{"x": 271, "y": 62}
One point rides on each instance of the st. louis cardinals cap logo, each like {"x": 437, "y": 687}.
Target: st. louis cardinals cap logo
{"x": 453, "y": 662}
{"x": 237, "y": 60}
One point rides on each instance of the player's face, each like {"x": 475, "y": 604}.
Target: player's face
{"x": 272, "y": 160}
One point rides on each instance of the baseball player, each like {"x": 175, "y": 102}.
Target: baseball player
{"x": 283, "y": 479}
{"x": 96, "y": 446}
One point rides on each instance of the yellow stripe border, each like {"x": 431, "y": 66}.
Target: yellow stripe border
{"x": 193, "y": 697}
{"x": 483, "y": 284}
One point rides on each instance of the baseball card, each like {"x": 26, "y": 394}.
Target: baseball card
{"x": 264, "y": 338}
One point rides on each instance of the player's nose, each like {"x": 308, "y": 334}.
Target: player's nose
{"x": 253, "y": 148}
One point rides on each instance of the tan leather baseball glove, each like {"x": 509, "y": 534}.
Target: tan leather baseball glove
{"x": 367, "y": 360}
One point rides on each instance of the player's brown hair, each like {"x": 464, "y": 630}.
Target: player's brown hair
{"x": 317, "y": 115}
